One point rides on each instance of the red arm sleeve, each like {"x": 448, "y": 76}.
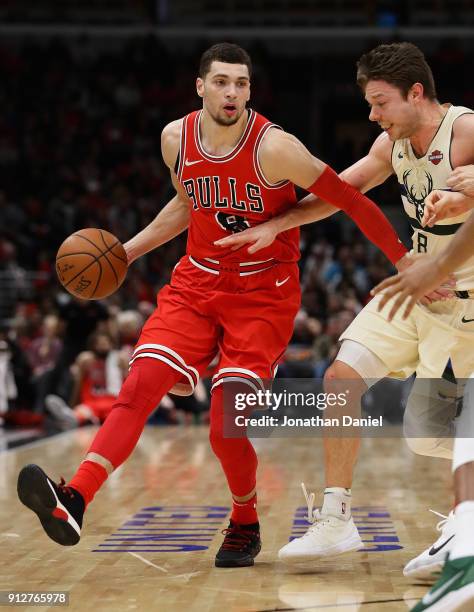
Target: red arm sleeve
{"x": 365, "y": 213}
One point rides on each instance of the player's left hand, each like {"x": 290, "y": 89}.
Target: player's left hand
{"x": 257, "y": 237}
{"x": 409, "y": 286}
{"x": 441, "y": 205}
{"x": 462, "y": 179}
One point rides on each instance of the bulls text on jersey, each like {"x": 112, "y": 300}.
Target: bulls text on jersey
{"x": 220, "y": 193}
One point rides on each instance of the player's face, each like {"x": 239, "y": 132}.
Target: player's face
{"x": 397, "y": 116}
{"x": 102, "y": 346}
{"x": 225, "y": 90}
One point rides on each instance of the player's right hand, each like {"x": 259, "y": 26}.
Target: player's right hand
{"x": 409, "y": 286}
{"x": 257, "y": 237}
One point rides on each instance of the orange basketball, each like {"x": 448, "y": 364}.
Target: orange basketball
{"x": 91, "y": 264}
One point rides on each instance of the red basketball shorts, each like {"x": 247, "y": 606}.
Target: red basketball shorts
{"x": 243, "y": 312}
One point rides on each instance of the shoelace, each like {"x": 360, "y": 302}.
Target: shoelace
{"x": 441, "y": 524}
{"x": 310, "y": 517}
{"x": 314, "y": 516}
{"x": 64, "y": 488}
{"x": 236, "y": 538}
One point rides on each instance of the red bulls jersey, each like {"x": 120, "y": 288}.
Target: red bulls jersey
{"x": 229, "y": 193}
{"x": 94, "y": 383}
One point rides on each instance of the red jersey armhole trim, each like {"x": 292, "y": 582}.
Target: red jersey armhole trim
{"x": 256, "y": 162}
{"x": 182, "y": 147}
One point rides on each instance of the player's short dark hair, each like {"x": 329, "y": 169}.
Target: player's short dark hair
{"x": 224, "y": 52}
{"x": 400, "y": 64}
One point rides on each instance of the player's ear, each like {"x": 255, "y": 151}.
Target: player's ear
{"x": 416, "y": 92}
{"x": 200, "y": 87}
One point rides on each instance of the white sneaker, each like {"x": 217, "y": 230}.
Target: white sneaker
{"x": 327, "y": 536}
{"x": 432, "y": 559}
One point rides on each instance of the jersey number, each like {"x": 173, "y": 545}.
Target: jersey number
{"x": 422, "y": 243}
{"x": 232, "y": 223}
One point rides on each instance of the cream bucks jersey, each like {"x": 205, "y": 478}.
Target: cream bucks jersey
{"x": 417, "y": 176}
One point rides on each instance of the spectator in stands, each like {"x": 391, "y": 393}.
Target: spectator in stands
{"x": 15, "y": 373}
{"x": 43, "y": 354}
{"x": 98, "y": 374}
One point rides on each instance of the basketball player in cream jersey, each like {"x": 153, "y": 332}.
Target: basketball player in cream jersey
{"x": 455, "y": 586}
{"x": 422, "y": 141}
{"x": 420, "y": 175}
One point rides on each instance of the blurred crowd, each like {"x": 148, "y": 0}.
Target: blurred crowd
{"x": 228, "y": 12}
{"x": 80, "y": 147}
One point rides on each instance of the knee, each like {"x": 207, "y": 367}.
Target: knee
{"x": 425, "y": 433}
{"x": 420, "y": 446}
{"x": 338, "y": 370}
{"x": 339, "y": 373}
{"x": 431, "y": 447}
{"x": 147, "y": 382}
{"x": 223, "y": 435}
{"x": 236, "y": 452}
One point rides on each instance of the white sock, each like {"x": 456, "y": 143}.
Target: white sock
{"x": 463, "y": 543}
{"x": 337, "y": 502}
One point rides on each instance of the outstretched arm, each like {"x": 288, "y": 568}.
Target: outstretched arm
{"x": 280, "y": 150}
{"x": 364, "y": 175}
{"x": 174, "y": 217}
{"x": 426, "y": 272}
{"x": 307, "y": 210}
{"x": 168, "y": 223}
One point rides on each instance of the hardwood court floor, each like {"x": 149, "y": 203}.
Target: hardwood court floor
{"x": 172, "y": 488}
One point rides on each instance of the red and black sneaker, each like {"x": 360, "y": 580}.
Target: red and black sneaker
{"x": 240, "y": 546}
{"x": 59, "y": 508}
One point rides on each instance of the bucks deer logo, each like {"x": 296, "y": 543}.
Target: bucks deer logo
{"x": 416, "y": 191}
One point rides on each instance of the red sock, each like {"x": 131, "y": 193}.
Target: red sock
{"x": 147, "y": 382}
{"x": 88, "y": 479}
{"x": 245, "y": 513}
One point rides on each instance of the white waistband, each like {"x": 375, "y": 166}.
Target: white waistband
{"x": 214, "y": 265}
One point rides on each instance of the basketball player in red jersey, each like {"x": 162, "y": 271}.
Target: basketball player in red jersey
{"x": 232, "y": 169}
